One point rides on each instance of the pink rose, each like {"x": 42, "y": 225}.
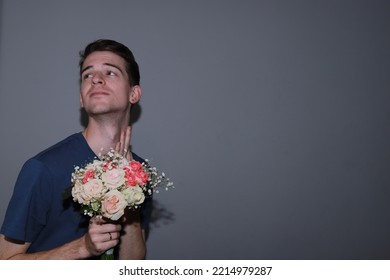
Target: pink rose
{"x": 89, "y": 174}
{"x": 107, "y": 165}
{"x": 131, "y": 180}
{"x": 135, "y": 175}
{"x": 142, "y": 178}
{"x": 113, "y": 205}
{"x": 135, "y": 166}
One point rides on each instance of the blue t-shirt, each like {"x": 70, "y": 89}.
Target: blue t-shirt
{"x": 37, "y": 212}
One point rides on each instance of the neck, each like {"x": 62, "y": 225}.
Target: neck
{"x": 104, "y": 134}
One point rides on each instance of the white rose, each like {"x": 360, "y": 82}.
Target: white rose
{"x": 96, "y": 165}
{"x": 134, "y": 195}
{"x": 113, "y": 178}
{"x": 84, "y": 193}
{"x": 76, "y": 190}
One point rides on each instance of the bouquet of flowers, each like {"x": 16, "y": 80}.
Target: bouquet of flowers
{"x": 106, "y": 186}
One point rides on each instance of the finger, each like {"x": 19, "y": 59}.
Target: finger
{"x": 102, "y": 226}
{"x": 117, "y": 147}
{"x": 127, "y": 143}
{"x": 127, "y": 137}
{"x": 96, "y": 220}
{"x": 102, "y": 235}
{"x": 122, "y": 142}
{"x": 109, "y": 236}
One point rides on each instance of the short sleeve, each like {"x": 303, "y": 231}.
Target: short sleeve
{"x": 28, "y": 208}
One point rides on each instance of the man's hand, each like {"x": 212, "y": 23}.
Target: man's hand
{"x": 101, "y": 236}
{"x": 123, "y": 146}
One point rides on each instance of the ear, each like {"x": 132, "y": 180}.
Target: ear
{"x": 135, "y": 94}
{"x": 81, "y": 102}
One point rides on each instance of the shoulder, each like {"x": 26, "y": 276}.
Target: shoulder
{"x": 64, "y": 155}
{"x": 47, "y": 159}
{"x": 61, "y": 147}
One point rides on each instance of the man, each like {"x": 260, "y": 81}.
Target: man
{"x": 38, "y": 223}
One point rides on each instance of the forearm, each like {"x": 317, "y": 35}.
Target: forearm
{"x": 70, "y": 251}
{"x": 132, "y": 243}
{"x": 74, "y": 250}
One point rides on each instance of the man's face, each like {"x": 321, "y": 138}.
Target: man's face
{"x": 105, "y": 86}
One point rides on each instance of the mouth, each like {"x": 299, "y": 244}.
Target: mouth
{"x": 97, "y": 94}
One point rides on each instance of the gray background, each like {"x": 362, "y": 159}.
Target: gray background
{"x": 271, "y": 117}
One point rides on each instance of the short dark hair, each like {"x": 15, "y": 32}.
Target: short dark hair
{"x": 132, "y": 68}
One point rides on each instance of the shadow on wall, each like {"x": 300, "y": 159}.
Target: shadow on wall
{"x": 159, "y": 216}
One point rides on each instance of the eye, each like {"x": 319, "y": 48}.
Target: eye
{"x": 111, "y": 73}
{"x": 87, "y": 76}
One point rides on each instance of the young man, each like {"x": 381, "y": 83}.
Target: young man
{"x": 39, "y": 224}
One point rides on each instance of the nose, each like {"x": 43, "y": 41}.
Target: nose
{"x": 97, "y": 79}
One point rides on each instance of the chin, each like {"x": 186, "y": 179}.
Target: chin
{"x": 95, "y": 107}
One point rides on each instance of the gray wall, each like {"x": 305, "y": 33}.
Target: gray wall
{"x": 271, "y": 117}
